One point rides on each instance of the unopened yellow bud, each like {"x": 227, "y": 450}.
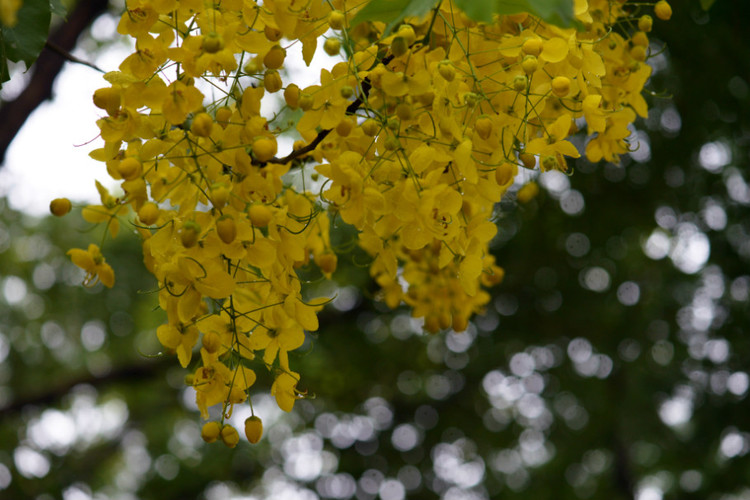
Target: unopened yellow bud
{"x": 504, "y": 173}
{"x": 305, "y": 102}
{"x": 528, "y": 192}
{"x": 219, "y": 195}
{"x": 406, "y": 31}
{"x": 529, "y": 64}
{"x": 460, "y": 322}
{"x": 253, "y": 429}
{"x": 332, "y": 46}
{"x": 638, "y": 53}
{"x": 645, "y": 23}
{"x": 272, "y": 34}
{"x": 663, "y": 10}
{"x": 327, "y": 262}
{"x": 264, "y": 149}
{"x": 272, "y": 81}
{"x": 528, "y": 160}
{"x": 211, "y": 431}
{"x": 483, "y": 127}
{"x": 519, "y": 83}
{"x": 60, "y": 206}
{"x": 223, "y": 115}
{"x": 432, "y": 323}
{"x": 370, "y": 127}
{"x": 202, "y": 125}
{"x": 346, "y": 91}
{"x": 291, "y": 95}
{"x": 107, "y": 99}
{"x": 640, "y": 38}
{"x": 446, "y": 70}
{"x": 129, "y": 168}
{"x": 404, "y": 111}
{"x": 336, "y": 19}
{"x": 444, "y": 320}
{"x": 253, "y": 66}
{"x": 532, "y": 46}
{"x": 274, "y": 58}
{"x": 191, "y": 230}
{"x": 226, "y": 229}
{"x": 230, "y": 436}
{"x": 345, "y": 127}
{"x": 398, "y": 46}
{"x": 211, "y": 342}
{"x": 212, "y": 43}
{"x": 149, "y": 213}
{"x": 561, "y": 86}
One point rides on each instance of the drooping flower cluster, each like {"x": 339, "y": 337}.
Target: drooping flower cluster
{"x": 416, "y": 136}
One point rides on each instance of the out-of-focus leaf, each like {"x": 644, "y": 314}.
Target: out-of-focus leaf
{"x": 558, "y": 12}
{"x": 25, "y": 40}
{"x": 57, "y": 8}
{"x": 392, "y": 12}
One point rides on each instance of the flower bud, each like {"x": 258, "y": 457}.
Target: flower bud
{"x": 60, "y": 206}
{"x": 253, "y": 429}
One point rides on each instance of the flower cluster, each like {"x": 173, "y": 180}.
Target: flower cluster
{"x": 415, "y": 137}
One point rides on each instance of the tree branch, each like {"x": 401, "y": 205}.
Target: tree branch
{"x": 127, "y": 373}
{"x": 350, "y": 110}
{"x": 13, "y": 114}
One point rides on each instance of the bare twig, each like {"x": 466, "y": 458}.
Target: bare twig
{"x": 70, "y": 57}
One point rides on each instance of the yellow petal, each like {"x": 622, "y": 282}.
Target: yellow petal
{"x": 555, "y": 50}
{"x": 82, "y": 259}
{"x": 394, "y": 84}
{"x": 283, "y": 389}
{"x": 106, "y": 275}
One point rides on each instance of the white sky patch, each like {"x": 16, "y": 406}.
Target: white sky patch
{"x": 49, "y": 158}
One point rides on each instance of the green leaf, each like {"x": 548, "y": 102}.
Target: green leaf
{"x": 57, "y": 8}
{"x": 4, "y": 73}
{"x": 392, "y": 12}
{"x": 706, "y": 4}
{"x": 26, "y": 39}
{"x": 557, "y": 12}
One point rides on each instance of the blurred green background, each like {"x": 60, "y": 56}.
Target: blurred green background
{"x": 611, "y": 363}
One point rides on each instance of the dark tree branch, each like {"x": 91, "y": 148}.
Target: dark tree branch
{"x": 70, "y": 57}
{"x": 13, "y": 114}
{"x": 128, "y": 374}
{"x": 350, "y": 110}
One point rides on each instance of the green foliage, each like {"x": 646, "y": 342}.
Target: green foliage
{"x": 26, "y": 39}
{"x": 558, "y": 12}
{"x": 392, "y": 12}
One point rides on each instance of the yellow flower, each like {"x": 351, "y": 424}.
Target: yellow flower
{"x": 595, "y": 117}
{"x": 92, "y": 261}
{"x": 554, "y": 143}
{"x": 9, "y": 11}
{"x": 181, "y": 339}
{"x": 284, "y": 389}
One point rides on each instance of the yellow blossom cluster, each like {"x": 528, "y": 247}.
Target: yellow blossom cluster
{"x": 9, "y": 12}
{"x": 415, "y": 136}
